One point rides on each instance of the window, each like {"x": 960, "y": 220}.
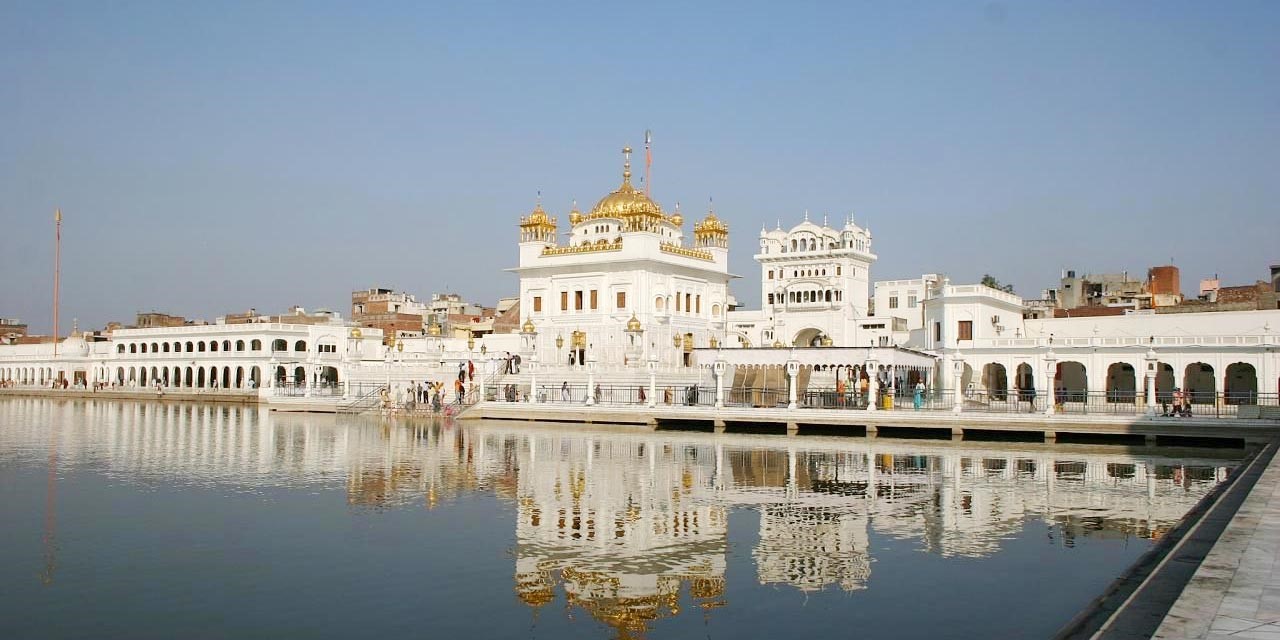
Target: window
{"x": 537, "y": 304}
{"x": 688, "y": 297}
{"x": 837, "y": 269}
{"x": 256, "y": 345}
{"x": 966, "y": 330}
{"x": 622, "y": 300}
{"x": 594, "y": 304}
{"x": 697, "y": 304}
{"x": 911, "y": 301}
{"x": 771, "y": 274}
{"x": 771, "y": 299}
{"x": 564, "y": 300}
{"x": 937, "y": 332}
{"x": 577, "y": 300}
{"x": 893, "y": 302}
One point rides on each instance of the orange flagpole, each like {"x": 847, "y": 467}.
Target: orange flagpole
{"x": 648, "y": 162}
{"x": 57, "y": 272}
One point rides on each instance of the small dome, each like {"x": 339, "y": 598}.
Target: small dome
{"x": 527, "y": 327}
{"x": 633, "y": 324}
{"x": 575, "y": 216}
{"x": 538, "y": 215}
{"x": 711, "y": 224}
{"x": 433, "y": 329}
{"x": 625, "y": 201}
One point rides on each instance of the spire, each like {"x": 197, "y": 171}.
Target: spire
{"x": 626, "y": 165}
{"x": 806, "y": 215}
{"x": 824, "y": 220}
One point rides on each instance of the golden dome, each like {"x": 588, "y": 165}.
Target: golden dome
{"x": 626, "y": 201}
{"x": 433, "y": 329}
{"x": 633, "y": 324}
{"x": 711, "y": 224}
{"x": 527, "y": 327}
{"x": 538, "y": 215}
{"x": 575, "y": 216}
{"x": 676, "y": 218}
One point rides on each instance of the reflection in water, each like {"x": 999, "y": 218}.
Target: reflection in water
{"x": 625, "y": 525}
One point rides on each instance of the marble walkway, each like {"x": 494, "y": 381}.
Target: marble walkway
{"x": 1235, "y": 593}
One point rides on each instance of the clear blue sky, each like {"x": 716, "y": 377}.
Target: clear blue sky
{"x": 211, "y": 157}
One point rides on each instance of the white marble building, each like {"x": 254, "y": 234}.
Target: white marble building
{"x": 623, "y": 284}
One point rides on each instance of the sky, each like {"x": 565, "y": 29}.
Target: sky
{"x": 213, "y": 157}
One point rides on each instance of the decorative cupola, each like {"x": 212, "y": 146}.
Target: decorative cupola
{"x": 537, "y": 227}
{"x": 711, "y": 232}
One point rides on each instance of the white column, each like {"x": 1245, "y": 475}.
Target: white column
{"x": 533, "y": 377}
{"x": 719, "y": 368}
{"x": 591, "y": 378}
{"x": 957, "y": 377}
{"x": 793, "y": 370}
{"x": 873, "y": 383}
{"x": 1050, "y": 369}
{"x": 653, "y": 379}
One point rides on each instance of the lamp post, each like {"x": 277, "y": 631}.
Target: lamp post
{"x": 559, "y": 345}
{"x": 873, "y": 380}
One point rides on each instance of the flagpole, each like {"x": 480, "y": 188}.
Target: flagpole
{"x": 57, "y": 272}
{"x": 648, "y": 162}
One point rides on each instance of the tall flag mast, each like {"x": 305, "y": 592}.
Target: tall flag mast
{"x": 57, "y": 271}
{"x": 648, "y": 162}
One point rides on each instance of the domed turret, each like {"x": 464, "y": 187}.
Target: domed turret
{"x": 537, "y": 226}
{"x": 527, "y": 327}
{"x": 711, "y": 232}
{"x": 634, "y": 323}
{"x": 676, "y": 218}
{"x": 575, "y": 216}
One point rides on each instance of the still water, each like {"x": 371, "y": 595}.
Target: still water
{"x": 139, "y": 520}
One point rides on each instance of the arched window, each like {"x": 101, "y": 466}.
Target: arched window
{"x": 177, "y": 347}
{"x": 793, "y": 245}
{"x": 226, "y": 345}
{"x": 200, "y": 346}
{"x": 213, "y": 345}
{"x": 144, "y": 347}
{"x": 165, "y": 347}
{"x": 279, "y": 345}
{"x": 300, "y": 345}
{"x": 119, "y": 348}
{"x": 190, "y": 348}
{"x": 239, "y": 345}
{"x": 256, "y": 345}
{"x": 155, "y": 348}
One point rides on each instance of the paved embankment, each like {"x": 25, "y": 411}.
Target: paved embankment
{"x": 238, "y": 397}
{"x": 870, "y": 423}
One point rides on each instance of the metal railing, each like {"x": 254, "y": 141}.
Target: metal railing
{"x": 1206, "y": 404}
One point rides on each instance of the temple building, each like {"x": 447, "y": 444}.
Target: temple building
{"x": 622, "y": 284}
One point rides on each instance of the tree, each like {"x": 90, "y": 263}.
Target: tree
{"x": 988, "y": 281}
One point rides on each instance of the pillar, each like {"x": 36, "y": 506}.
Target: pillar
{"x": 533, "y": 377}
{"x": 793, "y": 371}
{"x": 873, "y": 382}
{"x": 1153, "y": 368}
{"x": 719, "y": 369}
{"x": 653, "y": 379}
{"x": 1050, "y": 371}
{"x": 957, "y": 382}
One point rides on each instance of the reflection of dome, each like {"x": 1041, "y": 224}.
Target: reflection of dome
{"x": 527, "y": 327}
{"x": 633, "y": 324}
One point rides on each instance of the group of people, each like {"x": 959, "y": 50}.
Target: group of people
{"x": 428, "y": 395}
{"x": 1181, "y": 406}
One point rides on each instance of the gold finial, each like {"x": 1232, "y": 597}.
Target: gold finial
{"x": 626, "y": 164}
{"x": 57, "y": 215}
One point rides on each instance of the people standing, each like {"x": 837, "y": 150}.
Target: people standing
{"x": 918, "y": 402}
{"x": 564, "y": 391}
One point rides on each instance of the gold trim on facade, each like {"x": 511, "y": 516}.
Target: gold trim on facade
{"x": 696, "y": 254}
{"x": 582, "y": 248}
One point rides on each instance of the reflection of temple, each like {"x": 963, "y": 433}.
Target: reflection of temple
{"x": 631, "y": 526}
{"x": 624, "y": 523}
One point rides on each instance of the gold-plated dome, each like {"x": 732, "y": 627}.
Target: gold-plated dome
{"x": 433, "y": 329}
{"x": 676, "y": 218}
{"x": 538, "y": 215}
{"x": 626, "y": 203}
{"x": 633, "y": 324}
{"x": 711, "y": 224}
{"x": 527, "y": 327}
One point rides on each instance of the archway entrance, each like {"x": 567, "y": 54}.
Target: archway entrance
{"x": 996, "y": 381}
{"x": 1072, "y": 384}
{"x": 1198, "y": 382}
{"x": 1122, "y": 383}
{"x": 1241, "y": 384}
{"x": 808, "y": 338}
